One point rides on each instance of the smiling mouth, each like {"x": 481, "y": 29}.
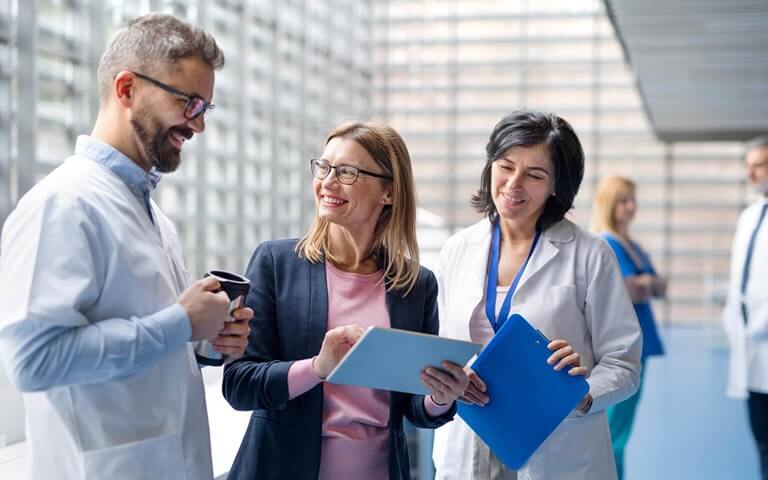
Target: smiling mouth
{"x": 332, "y": 201}
{"x": 512, "y": 199}
{"x": 177, "y": 136}
{"x": 177, "y": 139}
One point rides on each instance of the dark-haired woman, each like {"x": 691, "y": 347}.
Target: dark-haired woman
{"x": 526, "y": 258}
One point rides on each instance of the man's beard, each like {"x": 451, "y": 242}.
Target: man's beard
{"x": 157, "y": 146}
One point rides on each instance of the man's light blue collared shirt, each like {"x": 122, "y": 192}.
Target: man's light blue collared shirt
{"x": 140, "y": 182}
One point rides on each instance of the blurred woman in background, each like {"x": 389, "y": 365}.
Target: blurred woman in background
{"x": 613, "y": 210}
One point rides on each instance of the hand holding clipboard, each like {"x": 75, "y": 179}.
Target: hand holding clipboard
{"x": 527, "y": 397}
{"x": 563, "y": 354}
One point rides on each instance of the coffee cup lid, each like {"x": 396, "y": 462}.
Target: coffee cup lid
{"x": 234, "y": 284}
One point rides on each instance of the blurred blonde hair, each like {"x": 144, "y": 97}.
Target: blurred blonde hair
{"x": 394, "y": 237}
{"x": 607, "y": 195}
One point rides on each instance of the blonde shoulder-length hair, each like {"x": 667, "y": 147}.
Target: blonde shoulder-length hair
{"x": 609, "y": 192}
{"x": 394, "y": 238}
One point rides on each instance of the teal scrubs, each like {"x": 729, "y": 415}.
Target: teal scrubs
{"x": 622, "y": 415}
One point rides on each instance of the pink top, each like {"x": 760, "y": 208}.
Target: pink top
{"x": 355, "y": 434}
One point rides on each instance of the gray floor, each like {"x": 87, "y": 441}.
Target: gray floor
{"x": 686, "y": 428}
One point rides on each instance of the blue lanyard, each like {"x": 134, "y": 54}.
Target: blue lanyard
{"x": 493, "y": 276}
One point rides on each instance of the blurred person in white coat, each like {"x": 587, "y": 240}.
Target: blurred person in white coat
{"x": 561, "y": 278}
{"x": 746, "y": 308}
{"x": 97, "y": 317}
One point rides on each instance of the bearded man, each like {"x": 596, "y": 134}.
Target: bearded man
{"x": 97, "y": 317}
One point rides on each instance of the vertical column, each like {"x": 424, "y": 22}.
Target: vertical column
{"x": 453, "y": 126}
{"x": 594, "y": 156}
{"x": 667, "y": 221}
{"x": 26, "y": 96}
{"x": 301, "y": 144}
{"x": 241, "y": 245}
{"x": 199, "y": 183}
{"x": 382, "y": 22}
{"x": 6, "y": 76}
{"x": 91, "y": 45}
{"x": 276, "y": 117}
{"x": 524, "y": 54}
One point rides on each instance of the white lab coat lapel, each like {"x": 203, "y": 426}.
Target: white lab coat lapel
{"x": 477, "y": 268}
{"x": 471, "y": 272}
{"x": 544, "y": 253}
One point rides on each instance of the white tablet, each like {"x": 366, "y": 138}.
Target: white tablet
{"x": 391, "y": 359}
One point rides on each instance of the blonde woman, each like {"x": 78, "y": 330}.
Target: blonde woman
{"x": 358, "y": 266}
{"x": 613, "y": 210}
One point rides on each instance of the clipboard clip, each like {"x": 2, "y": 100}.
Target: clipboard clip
{"x": 543, "y": 338}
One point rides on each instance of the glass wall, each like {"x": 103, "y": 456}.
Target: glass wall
{"x": 294, "y": 69}
{"x": 448, "y": 70}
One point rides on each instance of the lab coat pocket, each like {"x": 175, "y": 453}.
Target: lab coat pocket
{"x": 154, "y": 458}
{"x": 560, "y": 458}
{"x": 565, "y": 318}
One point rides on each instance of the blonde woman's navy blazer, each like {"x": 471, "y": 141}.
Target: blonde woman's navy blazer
{"x": 290, "y": 302}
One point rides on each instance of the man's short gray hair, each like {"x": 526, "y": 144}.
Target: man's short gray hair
{"x": 757, "y": 142}
{"x": 153, "y": 42}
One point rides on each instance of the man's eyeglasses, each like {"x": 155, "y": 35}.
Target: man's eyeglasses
{"x": 195, "y": 106}
{"x": 346, "y": 174}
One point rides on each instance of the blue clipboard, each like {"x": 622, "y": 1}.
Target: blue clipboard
{"x": 528, "y": 399}
{"x": 392, "y": 359}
